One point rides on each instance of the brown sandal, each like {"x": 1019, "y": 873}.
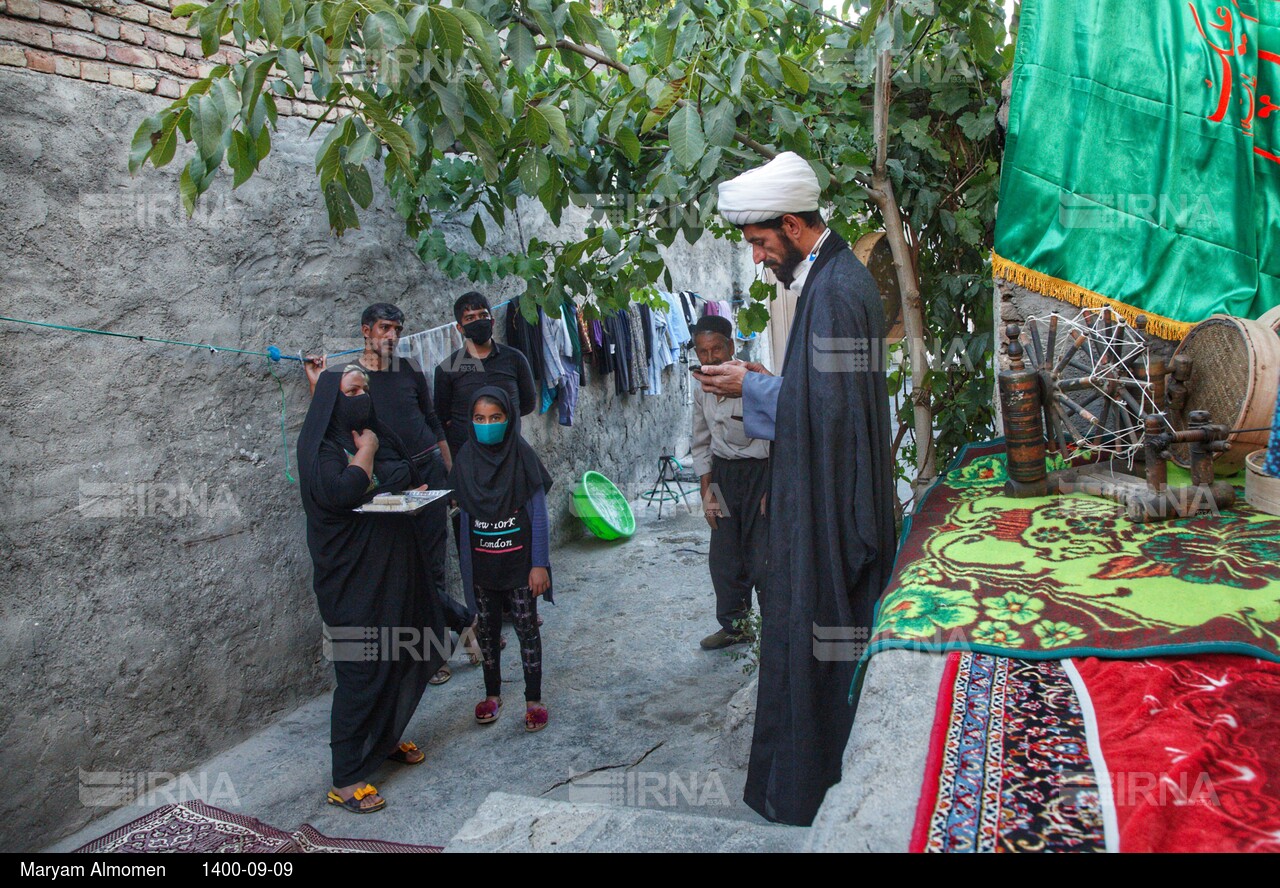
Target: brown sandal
{"x": 408, "y": 754}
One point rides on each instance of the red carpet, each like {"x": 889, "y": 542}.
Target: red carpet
{"x": 1190, "y": 748}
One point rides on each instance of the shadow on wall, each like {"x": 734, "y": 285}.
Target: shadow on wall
{"x": 157, "y": 585}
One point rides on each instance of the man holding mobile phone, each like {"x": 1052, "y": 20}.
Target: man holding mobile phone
{"x": 734, "y": 473}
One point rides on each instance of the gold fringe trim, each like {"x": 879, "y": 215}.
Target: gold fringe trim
{"x": 1065, "y": 291}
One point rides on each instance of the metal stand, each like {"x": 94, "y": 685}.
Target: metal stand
{"x": 668, "y": 473}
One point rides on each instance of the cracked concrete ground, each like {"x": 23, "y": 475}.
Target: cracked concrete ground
{"x": 636, "y": 711}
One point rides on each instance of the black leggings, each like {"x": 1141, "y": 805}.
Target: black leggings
{"x": 524, "y": 616}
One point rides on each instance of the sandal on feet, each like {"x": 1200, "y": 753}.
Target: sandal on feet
{"x": 487, "y": 711}
{"x": 408, "y": 754}
{"x": 443, "y": 675}
{"x": 535, "y": 718}
{"x": 353, "y": 804}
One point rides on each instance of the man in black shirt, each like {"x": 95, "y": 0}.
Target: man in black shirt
{"x": 480, "y": 362}
{"x": 402, "y": 400}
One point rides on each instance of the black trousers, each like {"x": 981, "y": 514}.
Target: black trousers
{"x": 524, "y": 614}
{"x": 740, "y": 542}
{"x": 432, "y": 531}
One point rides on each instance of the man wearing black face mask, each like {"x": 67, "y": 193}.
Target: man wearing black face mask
{"x": 480, "y": 362}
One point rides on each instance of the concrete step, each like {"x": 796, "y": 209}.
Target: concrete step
{"x": 506, "y": 822}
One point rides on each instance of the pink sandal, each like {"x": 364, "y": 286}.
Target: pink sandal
{"x": 535, "y": 719}
{"x": 487, "y": 711}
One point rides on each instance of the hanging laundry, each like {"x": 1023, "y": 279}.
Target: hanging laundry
{"x": 428, "y": 348}
{"x": 662, "y": 357}
{"x": 555, "y": 347}
{"x": 688, "y": 308}
{"x": 677, "y": 326}
{"x": 726, "y": 311}
{"x": 618, "y": 330}
{"x": 526, "y": 338}
{"x": 568, "y": 396}
{"x": 636, "y": 360}
{"x": 600, "y": 358}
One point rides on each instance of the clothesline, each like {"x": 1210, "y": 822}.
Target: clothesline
{"x": 274, "y": 354}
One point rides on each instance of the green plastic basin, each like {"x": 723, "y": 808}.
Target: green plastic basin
{"x": 603, "y": 508}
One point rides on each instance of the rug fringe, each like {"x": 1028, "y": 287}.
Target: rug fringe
{"x": 1074, "y": 294}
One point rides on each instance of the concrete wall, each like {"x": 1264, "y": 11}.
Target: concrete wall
{"x": 155, "y": 602}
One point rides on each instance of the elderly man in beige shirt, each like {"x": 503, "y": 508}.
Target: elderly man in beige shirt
{"x": 734, "y": 472}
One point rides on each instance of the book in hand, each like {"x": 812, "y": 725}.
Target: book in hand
{"x": 406, "y": 503}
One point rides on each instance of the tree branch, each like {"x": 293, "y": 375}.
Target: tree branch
{"x": 597, "y": 55}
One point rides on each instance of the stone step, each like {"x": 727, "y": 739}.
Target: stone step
{"x": 513, "y": 823}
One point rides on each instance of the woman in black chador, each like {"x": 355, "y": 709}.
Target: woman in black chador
{"x": 370, "y": 583}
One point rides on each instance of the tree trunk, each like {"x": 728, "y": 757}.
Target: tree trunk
{"x": 912, "y": 307}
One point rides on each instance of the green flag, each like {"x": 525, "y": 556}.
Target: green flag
{"x": 1142, "y": 165}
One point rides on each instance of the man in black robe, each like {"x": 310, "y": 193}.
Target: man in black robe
{"x": 832, "y": 538}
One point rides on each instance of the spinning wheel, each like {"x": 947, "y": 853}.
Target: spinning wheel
{"x": 1095, "y": 376}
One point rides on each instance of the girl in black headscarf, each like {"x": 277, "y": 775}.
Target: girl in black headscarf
{"x": 383, "y": 624}
{"x": 500, "y": 486}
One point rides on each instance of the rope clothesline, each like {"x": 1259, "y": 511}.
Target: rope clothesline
{"x": 273, "y": 354}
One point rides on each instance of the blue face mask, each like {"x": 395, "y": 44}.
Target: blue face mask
{"x": 490, "y": 432}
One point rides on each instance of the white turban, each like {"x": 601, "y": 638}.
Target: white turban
{"x": 786, "y": 184}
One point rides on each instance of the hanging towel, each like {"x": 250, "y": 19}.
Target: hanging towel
{"x": 430, "y": 347}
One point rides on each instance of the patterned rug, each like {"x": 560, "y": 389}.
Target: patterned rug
{"x": 1008, "y": 767}
{"x": 1190, "y": 749}
{"x": 197, "y": 828}
{"x": 1070, "y": 576}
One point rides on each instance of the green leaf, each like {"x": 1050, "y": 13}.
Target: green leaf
{"x": 187, "y": 188}
{"x": 664, "y": 44}
{"x": 359, "y": 185}
{"x": 661, "y": 108}
{"x": 342, "y": 212}
{"x": 739, "y": 70}
{"x": 520, "y": 48}
{"x": 611, "y": 241}
{"x": 182, "y": 10}
{"x": 559, "y": 128}
{"x": 478, "y": 231}
{"x": 793, "y": 75}
{"x": 207, "y": 26}
{"x": 536, "y": 127}
{"x": 272, "y": 20}
{"x": 535, "y": 170}
{"x": 142, "y": 142}
{"x": 685, "y": 134}
{"x": 242, "y": 157}
{"x": 254, "y": 78}
{"x": 629, "y": 143}
{"x": 978, "y": 126}
{"x": 382, "y": 33}
{"x": 343, "y": 18}
{"x": 448, "y": 31}
{"x": 719, "y": 124}
{"x": 292, "y": 63}
{"x": 362, "y": 149}
{"x": 165, "y": 144}
{"x": 207, "y": 128}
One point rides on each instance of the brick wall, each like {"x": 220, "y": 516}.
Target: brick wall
{"x": 132, "y": 45}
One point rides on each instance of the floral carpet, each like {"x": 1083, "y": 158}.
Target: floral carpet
{"x": 1071, "y": 576}
{"x": 196, "y": 828}
{"x": 1009, "y": 767}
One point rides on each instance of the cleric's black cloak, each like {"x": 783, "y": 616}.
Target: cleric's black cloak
{"x": 369, "y": 577}
{"x": 831, "y": 535}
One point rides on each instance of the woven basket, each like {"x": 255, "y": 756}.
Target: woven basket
{"x": 1235, "y": 371}
{"x": 1262, "y": 491}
